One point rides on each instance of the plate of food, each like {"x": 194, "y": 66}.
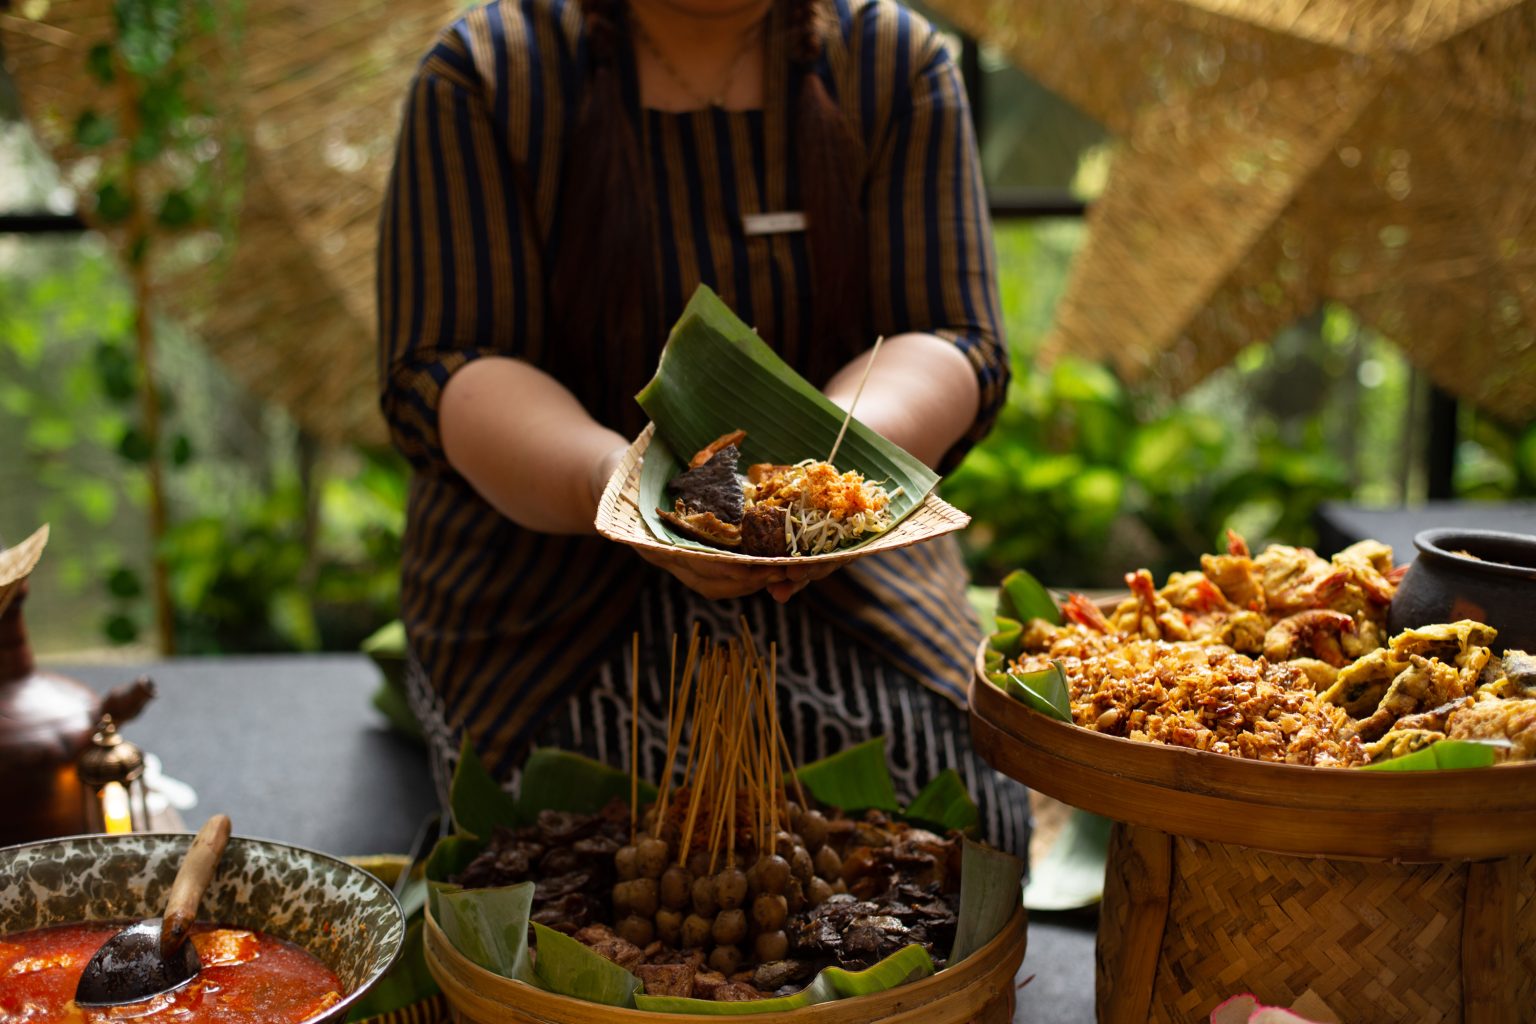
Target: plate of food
{"x": 745, "y": 461}
{"x": 1263, "y": 700}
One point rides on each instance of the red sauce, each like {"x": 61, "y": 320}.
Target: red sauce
{"x": 247, "y": 978}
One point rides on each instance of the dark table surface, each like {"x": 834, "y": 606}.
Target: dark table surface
{"x": 1340, "y": 525}
{"x": 292, "y": 750}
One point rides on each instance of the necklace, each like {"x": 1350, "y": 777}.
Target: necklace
{"x": 722, "y": 89}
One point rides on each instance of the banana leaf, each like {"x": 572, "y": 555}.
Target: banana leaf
{"x": 906, "y": 964}
{"x": 989, "y": 894}
{"x": 1021, "y": 597}
{"x": 489, "y": 926}
{"x": 1443, "y": 755}
{"x": 716, "y": 375}
{"x": 451, "y": 855}
{"x": 1045, "y": 691}
{"x": 854, "y": 779}
{"x": 1007, "y": 639}
{"x": 565, "y": 965}
{"x": 562, "y": 781}
{"x": 1071, "y": 874}
{"x": 945, "y": 803}
{"x": 477, "y": 802}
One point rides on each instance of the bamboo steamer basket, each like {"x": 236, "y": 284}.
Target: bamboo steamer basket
{"x": 1393, "y": 896}
{"x": 978, "y": 990}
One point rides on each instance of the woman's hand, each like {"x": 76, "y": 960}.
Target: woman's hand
{"x": 719, "y": 581}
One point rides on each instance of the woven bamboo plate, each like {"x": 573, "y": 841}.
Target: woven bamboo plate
{"x": 978, "y": 990}
{"x": 1328, "y": 812}
{"x": 619, "y": 519}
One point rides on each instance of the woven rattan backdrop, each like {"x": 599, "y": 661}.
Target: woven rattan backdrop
{"x": 316, "y": 101}
{"x": 1275, "y": 153}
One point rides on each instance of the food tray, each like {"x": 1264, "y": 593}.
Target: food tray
{"x": 619, "y": 519}
{"x": 979, "y": 989}
{"x": 1331, "y": 812}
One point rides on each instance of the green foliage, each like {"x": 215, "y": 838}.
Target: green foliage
{"x": 1084, "y": 476}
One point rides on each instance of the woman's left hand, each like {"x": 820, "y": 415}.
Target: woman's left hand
{"x": 720, "y": 581}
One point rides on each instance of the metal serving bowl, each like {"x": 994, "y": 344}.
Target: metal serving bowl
{"x": 338, "y": 912}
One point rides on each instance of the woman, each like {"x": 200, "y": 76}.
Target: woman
{"x": 567, "y": 174}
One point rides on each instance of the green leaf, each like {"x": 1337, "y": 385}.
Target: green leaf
{"x": 1007, "y": 640}
{"x": 451, "y": 855}
{"x": 120, "y": 629}
{"x": 406, "y": 982}
{"x": 1071, "y": 874}
{"x": 716, "y": 375}
{"x": 124, "y": 583}
{"x": 98, "y": 61}
{"x": 93, "y": 130}
{"x": 176, "y": 210}
{"x": 1444, "y": 755}
{"x": 112, "y": 203}
{"x": 1021, "y": 597}
{"x": 115, "y": 372}
{"x": 983, "y": 602}
{"x": 181, "y": 450}
{"x": 477, "y": 802}
{"x": 489, "y": 926}
{"x": 95, "y": 499}
{"x": 945, "y": 802}
{"x": 989, "y": 894}
{"x": 1045, "y": 691}
{"x": 562, "y": 781}
{"x": 906, "y": 964}
{"x": 565, "y": 965}
{"x": 853, "y": 779}
{"x": 292, "y": 613}
{"x": 134, "y": 446}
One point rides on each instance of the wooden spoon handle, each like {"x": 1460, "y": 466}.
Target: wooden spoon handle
{"x": 191, "y": 880}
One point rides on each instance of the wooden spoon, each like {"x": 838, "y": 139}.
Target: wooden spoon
{"x": 154, "y": 956}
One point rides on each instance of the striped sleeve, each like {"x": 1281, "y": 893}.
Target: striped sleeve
{"x": 459, "y": 276}
{"x": 930, "y": 235}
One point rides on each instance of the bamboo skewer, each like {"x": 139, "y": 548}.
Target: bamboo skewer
{"x": 731, "y": 787}
{"x": 634, "y": 738}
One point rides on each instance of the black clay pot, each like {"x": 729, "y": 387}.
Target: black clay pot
{"x": 1487, "y": 575}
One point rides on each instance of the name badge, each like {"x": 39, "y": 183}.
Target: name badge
{"x": 773, "y": 223}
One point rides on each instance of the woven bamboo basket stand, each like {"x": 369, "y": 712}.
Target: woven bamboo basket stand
{"x": 1394, "y": 897}
{"x": 619, "y": 518}
{"x": 978, "y": 990}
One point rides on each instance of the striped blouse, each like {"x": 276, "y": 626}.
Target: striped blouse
{"x": 507, "y": 621}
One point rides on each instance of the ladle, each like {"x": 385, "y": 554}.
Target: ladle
{"x": 153, "y": 956}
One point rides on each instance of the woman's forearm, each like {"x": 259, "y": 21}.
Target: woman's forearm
{"x": 526, "y": 444}
{"x": 922, "y": 393}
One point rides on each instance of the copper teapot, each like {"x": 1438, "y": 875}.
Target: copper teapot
{"x": 46, "y": 720}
